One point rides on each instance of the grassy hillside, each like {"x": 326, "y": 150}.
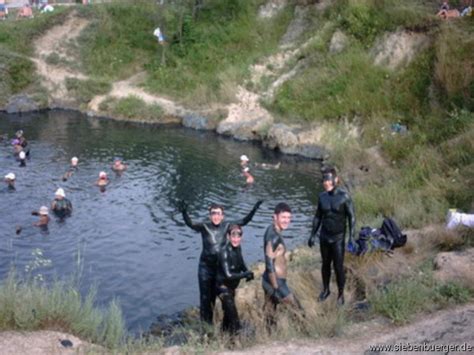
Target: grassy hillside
{"x": 204, "y": 58}
{"x": 17, "y": 71}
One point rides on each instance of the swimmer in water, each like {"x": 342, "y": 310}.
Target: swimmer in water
{"x": 119, "y": 166}
{"x": 244, "y": 161}
{"x": 10, "y": 181}
{"x": 249, "y": 179}
{"x": 43, "y": 214}
{"x": 22, "y": 157}
{"x": 61, "y": 206}
{"x": 267, "y": 166}
{"x": 72, "y": 169}
{"x": 17, "y": 148}
{"x": 103, "y": 179}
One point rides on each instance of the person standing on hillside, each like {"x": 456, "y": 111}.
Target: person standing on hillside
{"x": 213, "y": 236}
{"x": 335, "y": 210}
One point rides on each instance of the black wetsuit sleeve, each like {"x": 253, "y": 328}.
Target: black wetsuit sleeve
{"x": 198, "y": 227}
{"x": 317, "y": 220}
{"x": 225, "y": 261}
{"x": 248, "y": 218}
{"x": 350, "y": 213}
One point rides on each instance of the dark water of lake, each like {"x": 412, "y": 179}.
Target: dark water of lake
{"x": 129, "y": 241}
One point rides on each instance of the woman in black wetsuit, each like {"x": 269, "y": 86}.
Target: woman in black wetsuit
{"x": 231, "y": 270}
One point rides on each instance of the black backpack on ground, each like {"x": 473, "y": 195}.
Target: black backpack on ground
{"x": 391, "y": 230}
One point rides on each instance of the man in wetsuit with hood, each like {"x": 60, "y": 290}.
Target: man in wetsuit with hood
{"x": 334, "y": 211}
{"x": 213, "y": 236}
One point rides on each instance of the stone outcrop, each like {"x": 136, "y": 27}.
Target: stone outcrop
{"x": 296, "y": 140}
{"x": 338, "y": 42}
{"x": 271, "y": 8}
{"x": 21, "y": 103}
{"x": 246, "y": 120}
{"x": 398, "y": 48}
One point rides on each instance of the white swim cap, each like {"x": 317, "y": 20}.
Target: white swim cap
{"x": 74, "y": 159}
{"x": 60, "y": 192}
{"x": 10, "y": 176}
{"x": 244, "y": 158}
{"x": 102, "y": 175}
{"x": 43, "y": 211}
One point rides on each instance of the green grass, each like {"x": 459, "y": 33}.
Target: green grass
{"x": 16, "y": 46}
{"x": 202, "y": 57}
{"x": 401, "y": 300}
{"x": 31, "y": 305}
{"x": 86, "y": 90}
{"x": 132, "y": 108}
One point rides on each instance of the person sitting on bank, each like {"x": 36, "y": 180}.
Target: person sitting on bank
{"x": 72, "y": 169}
{"x": 61, "y": 206}
{"x": 118, "y": 165}
{"x": 10, "y": 181}
{"x": 249, "y": 179}
{"x": 445, "y": 12}
{"x": 231, "y": 270}
{"x": 25, "y": 12}
{"x": 103, "y": 179}
{"x": 3, "y": 11}
{"x": 43, "y": 214}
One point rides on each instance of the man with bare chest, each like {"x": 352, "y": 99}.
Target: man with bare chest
{"x": 274, "y": 278}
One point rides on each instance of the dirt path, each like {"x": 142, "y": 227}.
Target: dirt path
{"x": 447, "y": 327}
{"x": 129, "y": 87}
{"x": 56, "y": 41}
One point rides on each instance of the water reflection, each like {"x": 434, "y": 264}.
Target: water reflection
{"x": 128, "y": 239}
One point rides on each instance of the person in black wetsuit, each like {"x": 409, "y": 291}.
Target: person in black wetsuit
{"x": 213, "y": 235}
{"x": 231, "y": 270}
{"x": 334, "y": 212}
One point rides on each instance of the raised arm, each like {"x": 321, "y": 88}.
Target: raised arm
{"x": 183, "y": 208}
{"x": 249, "y": 217}
{"x": 316, "y": 225}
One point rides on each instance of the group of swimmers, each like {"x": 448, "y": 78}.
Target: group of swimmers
{"x": 221, "y": 265}
{"x": 61, "y": 206}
